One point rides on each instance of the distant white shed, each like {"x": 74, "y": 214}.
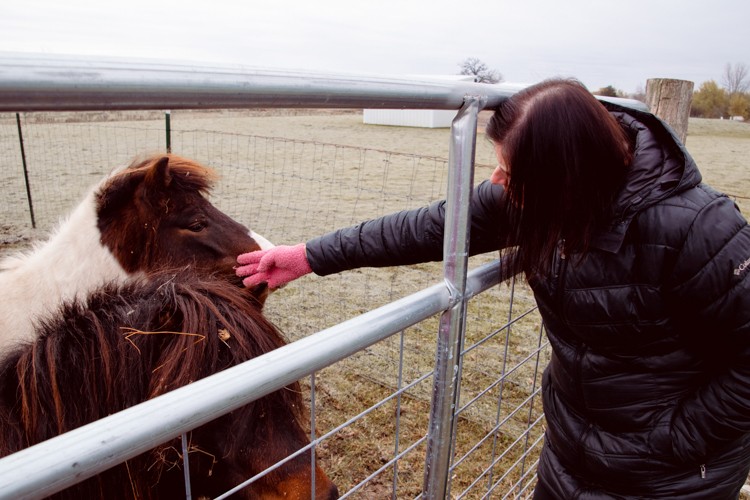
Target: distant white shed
{"x": 425, "y": 118}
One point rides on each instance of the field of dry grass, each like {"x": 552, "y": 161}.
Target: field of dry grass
{"x": 296, "y": 174}
{"x": 722, "y": 150}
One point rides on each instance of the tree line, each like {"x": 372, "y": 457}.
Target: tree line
{"x": 730, "y": 99}
{"x": 727, "y": 99}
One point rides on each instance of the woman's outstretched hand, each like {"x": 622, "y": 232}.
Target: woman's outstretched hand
{"x": 276, "y": 266}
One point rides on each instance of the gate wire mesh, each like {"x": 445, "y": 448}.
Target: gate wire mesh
{"x": 369, "y": 412}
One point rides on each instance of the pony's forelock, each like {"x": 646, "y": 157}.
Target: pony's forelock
{"x": 189, "y": 173}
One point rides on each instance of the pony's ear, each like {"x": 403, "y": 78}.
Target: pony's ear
{"x": 160, "y": 174}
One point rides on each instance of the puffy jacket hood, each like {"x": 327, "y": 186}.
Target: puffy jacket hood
{"x": 661, "y": 167}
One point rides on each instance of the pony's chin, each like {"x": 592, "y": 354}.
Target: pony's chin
{"x": 260, "y": 293}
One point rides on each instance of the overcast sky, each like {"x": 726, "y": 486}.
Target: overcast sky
{"x": 600, "y": 42}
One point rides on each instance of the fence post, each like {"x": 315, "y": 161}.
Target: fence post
{"x": 670, "y": 100}
{"x": 25, "y": 171}
{"x": 447, "y": 374}
{"x": 168, "y": 126}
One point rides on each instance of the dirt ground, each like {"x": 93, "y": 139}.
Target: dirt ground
{"x": 292, "y": 175}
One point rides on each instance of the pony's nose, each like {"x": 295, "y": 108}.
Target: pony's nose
{"x": 324, "y": 487}
{"x": 329, "y": 492}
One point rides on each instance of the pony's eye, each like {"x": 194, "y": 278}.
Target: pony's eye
{"x": 197, "y": 226}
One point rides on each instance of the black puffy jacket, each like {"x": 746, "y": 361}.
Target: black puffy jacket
{"x": 647, "y": 394}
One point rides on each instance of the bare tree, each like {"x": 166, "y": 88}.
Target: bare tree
{"x": 735, "y": 78}
{"x": 609, "y": 91}
{"x": 479, "y": 70}
{"x": 639, "y": 94}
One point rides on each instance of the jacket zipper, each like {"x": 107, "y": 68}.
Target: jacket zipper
{"x": 559, "y": 284}
{"x": 703, "y": 471}
{"x": 560, "y": 268}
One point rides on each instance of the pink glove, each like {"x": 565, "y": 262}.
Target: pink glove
{"x": 276, "y": 266}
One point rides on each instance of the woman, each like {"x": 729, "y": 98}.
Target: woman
{"x": 641, "y": 274}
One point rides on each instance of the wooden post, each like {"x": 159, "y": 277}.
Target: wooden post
{"x": 670, "y": 100}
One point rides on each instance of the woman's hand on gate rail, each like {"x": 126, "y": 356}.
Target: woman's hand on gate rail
{"x": 276, "y": 266}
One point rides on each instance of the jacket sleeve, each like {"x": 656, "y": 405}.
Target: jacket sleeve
{"x": 407, "y": 237}
{"x": 711, "y": 290}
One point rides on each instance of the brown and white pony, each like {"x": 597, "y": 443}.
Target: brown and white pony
{"x": 151, "y": 215}
{"x": 129, "y": 343}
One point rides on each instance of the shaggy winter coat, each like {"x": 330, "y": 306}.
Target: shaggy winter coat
{"x": 648, "y": 390}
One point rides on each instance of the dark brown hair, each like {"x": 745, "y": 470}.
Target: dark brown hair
{"x": 566, "y": 157}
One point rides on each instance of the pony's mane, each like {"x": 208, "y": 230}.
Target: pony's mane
{"x": 130, "y": 343}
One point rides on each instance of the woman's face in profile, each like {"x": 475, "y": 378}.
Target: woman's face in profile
{"x": 500, "y": 175}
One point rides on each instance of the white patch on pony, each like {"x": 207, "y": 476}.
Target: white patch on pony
{"x": 263, "y": 243}
{"x": 69, "y": 265}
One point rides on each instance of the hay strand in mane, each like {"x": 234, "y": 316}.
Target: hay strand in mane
{"x": 129, "y": 332}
